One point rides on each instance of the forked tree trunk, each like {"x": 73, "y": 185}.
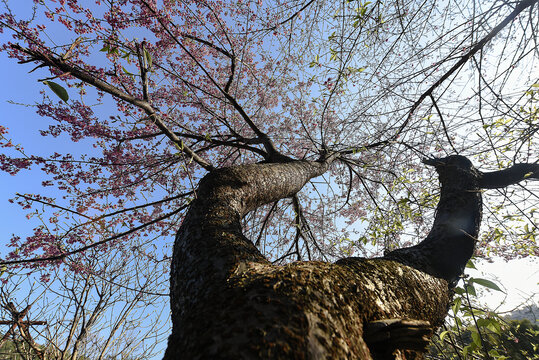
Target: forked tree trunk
{"x": 229, "y": 302}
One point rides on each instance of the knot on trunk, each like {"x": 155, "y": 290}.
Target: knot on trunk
{"x": 384, "y": 337}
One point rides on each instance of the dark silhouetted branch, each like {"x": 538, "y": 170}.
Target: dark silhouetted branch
{"x": 510, "y": 176}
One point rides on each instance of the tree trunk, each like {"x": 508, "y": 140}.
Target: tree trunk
{"x": 229, "y": 302}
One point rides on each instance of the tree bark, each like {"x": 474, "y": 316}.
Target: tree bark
{"x": 229, "y": 302}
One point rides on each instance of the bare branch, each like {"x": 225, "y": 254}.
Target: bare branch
{"x": 144, "y": 68}
{"x": 273, "y": 154}
{"x": 265, "y": 222}
{"x": 520, "y": 7}
{"x": 97, "y": 243}
{"x": 443, "y": 123}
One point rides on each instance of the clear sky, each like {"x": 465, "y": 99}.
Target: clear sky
{"x": 21, "y": 87}
{"x": 23, "y": 124}
{"x": 519, "y": 279}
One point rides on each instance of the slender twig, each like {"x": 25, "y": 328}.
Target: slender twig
{"x": 29, "y": 198}
{"x": 443, "y": 123}
{"x": 294, "y": 15}
{"x": 268, "y": 144}
{"x": 265, "y": 222}
{"x": 222, "y": 51}
{"x": 232, "y": 143}
{"x": 93, "y": 245}
{"x": 81, "y": 74}
{"x": 297, "y": 223}
{"x": 521, "y": 6}
{"x": 485, "y": 344}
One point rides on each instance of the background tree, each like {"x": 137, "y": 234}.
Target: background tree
{"x": 207, "y": 85}
{"x": 99, "y": 314}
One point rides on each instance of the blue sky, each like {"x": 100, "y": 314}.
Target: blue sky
{"x": 23, "y": 124}
{"x": 21, "y": 87}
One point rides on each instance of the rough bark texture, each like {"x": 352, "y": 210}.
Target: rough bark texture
{"x": 229, "y": 302}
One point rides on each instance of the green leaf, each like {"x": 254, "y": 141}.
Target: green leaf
{"x": 476, "y": 338}
{"x": 126, "y": 55}
{"x": 108, "y": 49}
{"x": 494, "y": 353}
{"x": 458, "y": 290}
{"x": 127, "y": 72}
{"x": 494, "y": 326}
{"x": 314, "y": 63}
{"x": 486, "y": 283}
{"x": 443, "y": 334}
{"x": 470, "y": 289}
{"x": 456, "y": 305}
{"x": 57, "y": 89}
{"x": 470, "y": 264}
{"x": 333, "y": 54}
{"x": 491, "y": 324}
{"x": 148, "y": 58}
{"x": 477, "y": 312}
{"x": 465, "y": 351}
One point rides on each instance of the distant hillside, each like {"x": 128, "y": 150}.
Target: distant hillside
{"x": 530, "y": 312}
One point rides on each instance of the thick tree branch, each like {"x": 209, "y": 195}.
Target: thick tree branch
{"x": 232, "y": 271}
{"x": 144, "y": 68}
{"x": 510, "y": 176}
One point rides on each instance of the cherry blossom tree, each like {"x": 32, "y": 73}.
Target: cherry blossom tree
{"x": 354, "y": 93}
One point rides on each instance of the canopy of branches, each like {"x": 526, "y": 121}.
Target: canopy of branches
{"x": 201, "y": 85}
